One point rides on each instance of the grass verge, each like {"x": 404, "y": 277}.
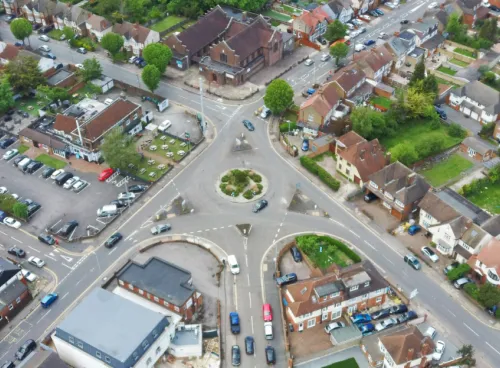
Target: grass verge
{"x": 166, "y": 23}
{"x": 51, "y": 161}
{"x": 22, "y": 148}
{"x": 446, "y": 70}
{"x": 381, "y": 101}
{"x": 488, "y": 198}
{"x": 465, "y": 52}
{"x": 461, "y": 63}
{"x": 348, "y": 363}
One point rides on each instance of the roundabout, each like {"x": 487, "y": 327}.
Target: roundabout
{"x": 242, "y": 185}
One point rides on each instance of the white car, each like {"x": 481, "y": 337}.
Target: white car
{"x": 438, "y": 353}
{"x": 108, "y": 101}
{"x": 433, "y": 5}
{"x": 325, "y": 57}
{"x": 430, "y": 332}
{"x": 126, "y": 196}
{"x": 79, "y": 66}
{"x": 382, "y": 35}
{"x": 350, "y": 26}
{"x": 28, "y": 275}
{"x": 9, "y": 154}
{"x": 16, "y": 196}
{"x": 3, "y": 190}
{"x": 309, "y": 62}
{"x": 44, "y": 48}
{"x": 333, "y": 326}
{"x": 365, "y": 17}
{"x": 35, "y": 261}
{"x": 70, "y": 182}
{"x": 132, "y": 59}
{"x": 56, "y": 173}
{"x": 430, "y": 253}
{"x": 389, "y": 322}
{"x": 44, "y": 38}
{"x": 9, "y": 221}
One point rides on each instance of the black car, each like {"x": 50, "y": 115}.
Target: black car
{"x": 4, "y": 143}
{"x": 11, "y": 112}
{"x": 494, "y": 8}
{"x": 370, "y": 197}
{"x": 260, "y": 205}
{"x": 286, "y": 279}
{"x": 297, "y": 257}
{"x": 26, "y": 349}
{"x": 248, "y": 125}
{"x": 138, "y": 61}
{"x": 36, "y": 26}
{"x": 249, "y": 345}
{"x": 8, "y": 365}
{"x": 18, "y": 252}
{"x": 405, "y": 21}
{"x": 137, "y": 188}
{"x": 397, "y": 309}
{"x": 18, "y": 159}
{"x": 32, "y": 208}
{"x": 68, "y": 228}
{"x": 113, "y": 239}
{"x": 63, "y": 178}
{"x": 33, "y": 166}
{"x": 7, "y": 118}
{"x": 407, "y": 317}
{"x": 381, "y": 314}
{"x": 47, "y": 239}
{"x": 119, "y": 203}
{"x": 235, "y": 356}
{"x": 142, "y": 64}
{"x": 47, "y": 172}
{"x": 270, "y": 355}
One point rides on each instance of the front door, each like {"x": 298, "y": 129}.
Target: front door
{"x": 324, "y": 316}
{"x": 301, "y": 327}
{"x": 352, "y": 308}
{"x": 471, "y": 152}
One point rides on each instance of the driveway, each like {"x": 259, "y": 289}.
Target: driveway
{"x": 459, "y": 118}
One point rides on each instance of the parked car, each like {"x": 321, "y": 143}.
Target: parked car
{"x": 370, "y": 197}
{"x": 79, "y": 186}
{"x": 106, "y": 173}
{"x": 408, "y": 316}
{"x": 412, "y": 261}
{"x": 9, "y": 154}
{"x": 373, "y": 13}
{"x": 439, "y": 351}
{"x": 19, "y": 43}
{"x": 47, "y": 172}
{"x": 325, "y": 57}
{"x": 50, "y": 55}
{"x": 260, "y": 205}
{"x": 4, "y": 143}
{"x": 46, "y": 238}
{"x": 405, "y": 21}
{"x": 380, "y": 12}
{"x": 370, "y": 42}
{"x": 3, "y": 190}
{"x": 158, "y": 229}
{"x": 35, "y": 261}
{"x": 249, "y": 345}
{"x": 132, "y": 59}
{"x": 32, "y": 208}
{"x": 44, "y": 38}
{"x": 235, "y": 356}
{"x": 118, "y": 203}
{"x": 494, "y": 8}
{"x": 56, "y": 173}
{"x": 31, "y": 277}
{"x": 137, "y": 188}
{"x": 26, "y": 349}
{"x": 44, "y": 48}
{"x": 18, "y": 252}
{"x": 361, "y": 318}
{"x": 450, "y": 267}
{"x": 270, "y": 355}
{"x": 461, "y": 282}
{"x": 112, "y": 240}
{"x": 397, "y": 309}
{"x": 33, "y": 167}
{"x": 69, "y": 183}
{"x": 383, "y": 313}
{"x": 441, "y": 113}
{"x": 305, "y": 145}
{"x": 265, "y": 113}
{"x": 309, "y": 62}
{"x": 492, "y": 311}
{"x": 234, "y": 322}
{"x": 63, "y": 178}
{"x": 9, "y": 221}
{"x": 297, "y": 256}
{"x": 427, "y": 251}
{"x": 48, "y": 299}
{"x": 126, "y": 196}
{"x": 247, "y": 124}
{"x": 367, "y": 328}
{"x": 68, "y": 228}
{"x": 289, "y": 278}
{"x": 333, "y": 326}
{"x": 430, "y": 332}
{"x": 385, "y": 324}
{"x": 81, "y": 50}
{"x": 433, "y": 5}
{"x": 413, "y": 229}
{"x": 267, "y": 313}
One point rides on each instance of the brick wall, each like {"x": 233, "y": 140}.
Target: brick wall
{"x": 7, "y": 315}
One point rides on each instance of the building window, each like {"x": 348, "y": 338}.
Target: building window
{"x": 131, "y": 287}
{"x": 98, "y": 354}
{"x": 107, "y": 359}
{"x": 136, "y": 116}
{"x": 135, "y": 356}
{"x": 354, "y": 288}
{"x": 156, "y": 299}
{"x": 347, "y": 171}
{"x": 165, "y": 303}
{"x": 378, "y": 300}
{"x": 336, "y": 314}
{"x": 223, "y": 58}
{"x": 311, "y": 323}
{"x": 141, "y": 292}
{"x": 145, "y": 344}
{"x": 18, "y": 300}
{"x": 275, "y": 47}
{"x": 367, "y": 283}
{"x": 80, "y": 344}
{"x": 176, "y": 308}
{"x": 149, "y": 361}
{"x": 340, "y": 167}
{"x": 158, "y": 350}
{"x": 155, "y": 334}
{"x": 11, "y": 307}
{"x": 71, "y": 340}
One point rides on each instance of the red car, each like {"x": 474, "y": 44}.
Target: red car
{"x": 268, "y": 312}
{"x": 106, "y": 173}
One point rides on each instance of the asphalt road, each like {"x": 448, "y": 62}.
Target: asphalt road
{"x": 215, "y": 217}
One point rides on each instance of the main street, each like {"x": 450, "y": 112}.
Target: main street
{"x": 214, "y": 219}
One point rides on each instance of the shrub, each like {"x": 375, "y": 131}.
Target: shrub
{"x": 260, "y": 186}
{"x": 456, "y": 130}
{"x": 487, "y": 130}
{"x": 324, "y": 175}
{"x": 20, "y": 210}
{"x": 225, "y": 178}
{"x": 256, "y": 178}
{"x": 458, "y": 272}
{"x": 248, "y": 194}
{"x": 472, "y": 290}
{"x": 497, "y": 313}
{"x": 309, "y": 245}
{"x": 285, "y": 127}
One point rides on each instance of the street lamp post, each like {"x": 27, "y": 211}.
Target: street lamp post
{"x": 202, "y": 122}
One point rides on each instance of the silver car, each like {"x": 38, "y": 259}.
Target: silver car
{"x": 158, "y": 229}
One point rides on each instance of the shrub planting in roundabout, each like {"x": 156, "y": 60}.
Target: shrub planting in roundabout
{"x": 246, "y": 183}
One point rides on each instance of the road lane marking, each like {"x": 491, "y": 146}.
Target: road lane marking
{"x": 371, "y": 246}
{"x": 112, "y": 251}
{"x": 251, "y": 321}
{"x": 496, "y": 351}
{"x": 65, "y": 295}
{"x": 214, "y": 228}
{"x": 338, "y": 223}
{"x": 388, "y": 260}
{"x": 36, "y": 250}
{"x": 356, "y": 235}
{"x": 46, "y": 255}
{"x": 3, "y": 233}
{"x": 78, "y": 282}
{"x": 66, "y": 258}
{"x": 246, "y": 260}
{"x": 44, "y": 316}
{"x": 65, "y": 265}
{"x": 207, "y": 229}
{"x": 17, "y": 240}
{"x": 131, "y": 235}
{"x": 474, "y": 332}
{"x": 453, "y": 314}
{"x": 250, "y": 299}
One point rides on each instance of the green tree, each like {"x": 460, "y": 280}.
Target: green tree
{"x": 20, "y": 210}
{"x": 483, "y": 69}
{"x": 489, "y": 30}
{"x": 52, "y": 93}
{"x": 454, "y": 27}
{"x": 154, "y": 13}
{"x": 490, "y": 78}
{"x": 136, "y": 9}
{"x": 21, "y": 28}
{"x": 157, "y": 54}
{"x": 6, "y": 95}
{"x": 339, "y": 51}
{"x": 112, "y": 42}
{"x": 24, "y": 74}
{"x": 487, "y": 130}
{"x": 418, "y": 103}
{"x": 368, "y": 123}
{"x": 119, "y": 149}
{"x": 68, "y": 32}
{"x": 91, "y": 69}
{"x": 467, "y": 354}
{"x": 418, "y": 73}
{"x": 404, "y": 153}
{"x": 335, "y": 31}
{"x": 458, "y": 272}
{"x": 279, "y": 96}
{"x": 432, "y": 145}
{"x": 430, "y": 85}
{"x": 489, "y": 295}
{"x": 151, "y": 77}
{"x": 456, "y": 130}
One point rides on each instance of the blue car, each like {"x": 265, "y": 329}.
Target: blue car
{"x": 248, "y": 125}
{"x": 234, "y": 320}
{"x": 369, "y": 42}
{"x": 361, "y": 318}
{"x": 367, "y": 329}
{"x": 311, "y": 91}
{"x": 51, "y": 56}
{"x": 413, "y": 229}
{"x": 19, "y": 43}
{"x": 48, "y": 300}
{"x": 380, "y": 12}
{"x": 305, "y": 145}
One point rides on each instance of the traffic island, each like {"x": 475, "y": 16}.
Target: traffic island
{"x": 241, "y": 185}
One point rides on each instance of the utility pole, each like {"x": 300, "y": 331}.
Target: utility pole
{"x": 202, "y": 122}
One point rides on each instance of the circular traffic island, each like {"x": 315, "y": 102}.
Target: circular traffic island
{"x": 242, "y": 185}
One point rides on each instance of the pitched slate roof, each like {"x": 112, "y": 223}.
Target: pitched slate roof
{"x": 477, "y": 145}
{"x": 9, "y": 52}
{"x": 348, "y": 78}
{"x": 323, "y": 100}
{"x": 375, "y": 58}
{"x": 98, "y": 23}
{"x": 492, "y": 226}
{"x": 132, "y": 31}
{"x": 102, "y": 122}
{"x": 489, "y": 255}
{"x": 7, "y": 270}
{"x": 11, "y": 293}
{"x": 399, "y": 344}
{"x": 438, "y": 208}
{"x": 42, "y": 138}
{"x": 481, "y": 93}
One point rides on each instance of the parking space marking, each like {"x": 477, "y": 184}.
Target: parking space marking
{"x": 65, "y": 265}
{"x": 17, "y": 240}
{"x": 3, "y": 233}
{"x": 474, "y": 332}
{"x": 112, "y": 251}
{"x": 36, "y": 250}
{"x": 371, "y": 246}
{"x": 65, "y": 295}
{"x": 66, "y": 258}
{"x": 52, "y": 258}
{"x": 353, "y": 233}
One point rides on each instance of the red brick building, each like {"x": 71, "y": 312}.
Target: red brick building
{"x": 163, "y": 283}
{"x": 14, "y": 294}
{"x": 477, "y": 149}
{"x": 323, "y": 299}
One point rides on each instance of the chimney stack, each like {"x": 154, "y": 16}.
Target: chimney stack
{"x": 244, "y": 16}
{"x": 410, "y": 179}
{"x": 426, "y": 349}
{"x": 362, "y": 154}
{"x": 388, "y": 158}
{"x": 409, "y": 355}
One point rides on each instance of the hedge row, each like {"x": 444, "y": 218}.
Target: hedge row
{"x": 324, "y": 175}
{"x": 285, "y": 127}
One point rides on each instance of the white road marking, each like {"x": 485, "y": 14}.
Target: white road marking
{"x": 3, "y": 233}
{"x": 65, "y": 295}
{"x": 474, "y": 332}
{"x": 388, "y": 260}
{"x": 371, "y": 246}
{"x": 131, "y": 235}
{"x": 36, "y": 250}
{"x": 453, "y": 314}
{"x": 246, "y": 260}
{"x": 338, "y": 223}
{"x": 214, "y": 228}
{"x": 65, "y": 265}
{"x": 52, "y": 258}
{"x": 207, "y": 229}
{"x": 251, "y": 321}
{"x": 78, "y": 282}
{"x": 44, "y": 316}
{"x": 250, "y": 299}
{"x": 66, "y": 258}
{"x": 496, "y": 351}
{"x": 17, "y": 240}
{"x": 112, "y": 251}
{"x": 356, "y": 235}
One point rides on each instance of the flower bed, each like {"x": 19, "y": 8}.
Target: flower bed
{"x": 245, "y": 183}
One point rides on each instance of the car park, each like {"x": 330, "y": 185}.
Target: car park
{"x": 260, "y": 205}
{"x": 461, "y": 282}
{"x": 32, "y": 208}
{"x": 439, "y": 351}
{"x": 309, "y": 62}
{"x": 112, "y": 240}
{"x": 247, "y": 124}
{"x": 158, "y": 229}
{"x": 9, "y": 154}
{"x": 397, "y": 309}
{"x": 289, "y": 278}
{"x": 18, "y": 252}
{"x": 361, "y": 318}
{"x": 25, "y": 349}
{"x": 235, "y": 356}
{"x": 24, "y": 164}
{"x": 270, "y": 355}
{"x": 413, "y": 229}
{"x": 4, "y": 143}
{"x": 412, "y": 261}
{"x": 107, "y": 211}
{"x": 56, "y": 173}
{"x": 35, "y": 261}
{"x": 408, "y": 316}
{"x": 137, "y": 188}
{"x": 450, "y": 267}
{"x": 48, "y": 299}
{"x": 18, "y": 159}
{"x": 47, "y": 239}
{"x": 9, "y": 221}
{"x": 385, "y": 324}
{"x": 267, "y": 313}
{"x": 383, "y": 313}
{"x": 68, "y": 228}
{"x": 69, "y": 183}
{"x": 430, "y": 254}
{"x": 333, "y": 326}
{"x": 47, "y": 172}
{"x": 367, "y": 329}
{"x": 234, "y": 322}
{"x": 31, "y": 277}
{"x": 33, "y": 167}
{"x": 249, "y": 345}
{"x": 126, "y": 196}
{"x": 297, "y": 256}
{"x": 105, "y": 174}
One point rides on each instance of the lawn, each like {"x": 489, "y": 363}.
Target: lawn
{"x": 324, "y": 251}
{"x": 143, "y": 164}
{"x": 348, "y": 363}
{"x": 290, "y": 115}
{"x": 55, "y": 34}
{"x": 25, "y": 102}
{"x": 448, "y": 83}
{"x": 166, "y": 23}
{"x": 461, "y": 63}
{"x": 291, "y": 10}
{"x": 446, "y": 70}
{"x": 446, "y": 170}
{"x": 488, "y": 198}
{"x": 416, "y": 132}
{"x": 381, "y": 101}
{"x": 465, "y": 52}
{"x": 172, "y": 147}
{"x": 320, "y": 158}
{"x": 22, "y": 148}
{"x": 51, "y": 161}
{"x": 279, "y": 16}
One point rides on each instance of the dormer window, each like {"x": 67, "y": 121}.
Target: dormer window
{"x": 367, "y": 283}
{"x": 354, "y": 288}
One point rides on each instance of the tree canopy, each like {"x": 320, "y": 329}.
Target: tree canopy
{"x": 6, "y": 95}
{"x": 339, "y": 51}
{"x": 24, "y": 74}
{"x": 151, "y": 77}
{"x": 91, "y": 69}
{"x": 52, "y": 93}
{"x": 335, "y": 31}
{"x": 118, "y": 149}
{"x": 68, "y": 32}
{"x": 21, "y": 28}
{"x": 418, "y": 73}
{"x": 368, "y": 123}
{"x": 279, "y": 96}
{"x": 157, "y": 54}
{"x": 112, "y": 42}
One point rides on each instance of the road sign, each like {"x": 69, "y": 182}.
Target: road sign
{"x": 413, "y": 294}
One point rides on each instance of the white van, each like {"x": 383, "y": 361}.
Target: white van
{"x": 233, "y": 265}
{"x": 164, "y": 126}
{"x": 108, "y": 210}
{"x": 24, "y": 163}
{"x": 268, "y": 330}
